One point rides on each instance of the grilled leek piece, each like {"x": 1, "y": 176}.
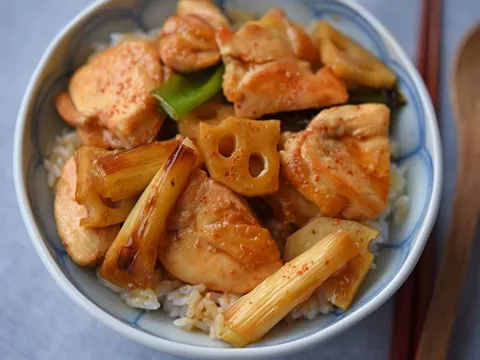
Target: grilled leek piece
{"x": 120, "y": 175}
{"x": 341, "y": 288}
{"x": 101, "y": 212}
{"x": 253, "y": 315}
{"x": 130, "y": 261}
{"x": 349, "y": 60}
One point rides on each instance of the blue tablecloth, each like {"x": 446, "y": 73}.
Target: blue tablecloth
{"x": 38, "y": 321}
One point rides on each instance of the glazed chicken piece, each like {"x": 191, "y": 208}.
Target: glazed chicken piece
{"x": 187, "y": 41}
{"x": 271, "y": 38}
{"x": 86, "y": 246}
{"x": 109, "y": 98}
{"x": 89, "y": 131}
{"x": 268, "y": 69}
{"x": 291, "y": 207}
{"x": 341, "y": 162}
{"x": 204, "y": 9}
{"x": 290, "y": 211}
{"x": 278, "y": 86}
{"x": 214, "y": 239}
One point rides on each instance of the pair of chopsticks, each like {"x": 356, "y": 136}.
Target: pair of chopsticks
{"x": 414, "y": 296}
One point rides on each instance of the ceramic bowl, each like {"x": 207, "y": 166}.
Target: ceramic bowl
{"x": 38, "y": 123}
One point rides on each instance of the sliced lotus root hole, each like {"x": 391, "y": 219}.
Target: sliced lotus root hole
{"x": 242, "y": 154}
{"x": 257, "y": 165}
{"x": 227, "y": 145}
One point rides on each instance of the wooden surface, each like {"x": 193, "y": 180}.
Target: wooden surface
{"x": 441, "y": 316}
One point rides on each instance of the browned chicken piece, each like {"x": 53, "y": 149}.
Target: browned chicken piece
{"x": 89, "y": 131}
{"x": 271, "y": 38}
{"x": 278, "y": 86}
{"x": 291, "y": 207}
{"x": 268, "y": 69}
{"x": 341, "y": 162}
{"x": 291, "y": 210}
{"x": 214, "y": 239}
{"x": 110, "y": 96}
{"x": 187, "y": 41}
{"x": 204, "y": 9}
{"x": 188, "y": 44}
{"x": 85, "y": 246}
{"x": 99, "y": 137}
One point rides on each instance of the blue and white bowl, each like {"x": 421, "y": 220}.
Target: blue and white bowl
{"x": 38, "y": 124}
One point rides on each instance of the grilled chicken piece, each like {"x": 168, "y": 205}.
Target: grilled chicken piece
{"x": 268, "y": 69}
{"x": 291, "y": 207}
{"x": 204, "y": 9}
{"x": 89, "y": 131}
{"x": 291, "y": 210}
{"x": 187, "y": 41}
{"x": 110, "y": 96}
{"x": 278, "y": 86}
{"x": 86, "y": 246}
{"x": 271, "y": 38}
{"x": 341, "y": 162}
{"x": 99, "y": 137}
{"x": 214, "y": 239}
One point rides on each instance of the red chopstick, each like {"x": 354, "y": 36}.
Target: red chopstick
{"x": 414, "y": 296}
{"x": 425, "y": 280}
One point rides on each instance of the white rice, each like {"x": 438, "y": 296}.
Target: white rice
{"x": 194, "y": 307}
{"x": 57, "y": 155}
{"x": 316, "y": 304}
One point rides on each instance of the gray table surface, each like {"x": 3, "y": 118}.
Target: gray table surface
{"x": 38, "y": 321}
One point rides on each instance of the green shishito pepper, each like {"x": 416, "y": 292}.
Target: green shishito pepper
{"x": 182, "y": 93}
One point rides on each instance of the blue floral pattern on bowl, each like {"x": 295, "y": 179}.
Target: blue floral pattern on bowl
{"x": 414, "y": 128}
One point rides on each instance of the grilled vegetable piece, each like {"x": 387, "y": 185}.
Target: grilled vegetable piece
{"x": 183, "y": 93}
{"x": 101, "y": 212}
{"x": 341, "y": 162}
{"x": 120, "y": 175}
{"x": 253, "y": 315}
{"x": 212, "y": 113}
{"x": 242, "y": 154}
{"x": 215, "y": 239}
{"x": 85, "y": 246}
{"x": 349, "y": 60}
{"x": 130, "y": 261}
{"x": 341, "y": 288}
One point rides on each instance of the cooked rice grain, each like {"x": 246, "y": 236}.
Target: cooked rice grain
{"x": 58, "y": 154}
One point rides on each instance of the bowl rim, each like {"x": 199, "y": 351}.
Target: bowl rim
{"x": 197, "y": 351}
